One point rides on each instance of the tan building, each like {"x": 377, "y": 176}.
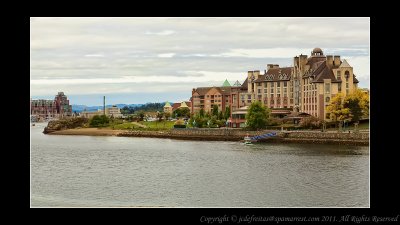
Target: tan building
{"x": 167, "y": 108}
{"x": 307, "y": 87}
{"x": 89, "y": 115}
{"x": 113, "y": 111}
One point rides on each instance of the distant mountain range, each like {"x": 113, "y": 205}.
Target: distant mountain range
{"x": 80, "y": 108}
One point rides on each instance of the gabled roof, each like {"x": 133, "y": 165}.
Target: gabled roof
{"x": 202, "y": 90}
{"x": 355, "y": 79}
{"x": 244, "y": 84}
{"x": 344, "y": 64}
{"x": 276, "y": 74}
{"x": 226, "y": 83}
{"x": 237, "y": 84}
{"x": 167, "y": 104}
{"x": 323, "y": 72}
{"x": 183, "y": 104}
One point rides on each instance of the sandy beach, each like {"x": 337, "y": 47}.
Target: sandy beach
{"x": 88, "y": 131}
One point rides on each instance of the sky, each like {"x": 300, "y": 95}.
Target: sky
{"x": 139, "y": 60}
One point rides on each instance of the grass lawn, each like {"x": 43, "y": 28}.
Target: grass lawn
{"x": 124, "y": 126}
{"x": 156, "y": 124}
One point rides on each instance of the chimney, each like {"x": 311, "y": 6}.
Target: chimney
{"x": 276, "y": 66}
{"x": 296, "y": 61}
{"x": 193, "y": 91}
{"x": 329, "y": 60}
{"x": 104, "y": 105}
{"x": 337, "y": 60}
{"x": 256, "y": 73}
{"x": 270, "y": 66}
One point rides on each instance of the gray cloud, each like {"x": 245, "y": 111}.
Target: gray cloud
{"x": 176, "y": 50}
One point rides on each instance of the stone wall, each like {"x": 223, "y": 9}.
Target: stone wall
{"x": 238, "y": 135}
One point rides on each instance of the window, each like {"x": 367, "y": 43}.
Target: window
{"x": 248, "y": 96}
{"x": 272, "y": 95}
{"x": 327, "y": 116}
{"x": 327, "y": 88}
{"x": 278, "y": 84}
{"x": 272, "y": 84}
{"x": 339, "y": 87}
{"x": 338, "y": 75}
{"x": 265, "y": 90}
{"x": 327, "y": 99}
{"x": 285, "y": 83}
{"x": 272, "y": 90}
{"x": 259, "y": 91}
{"x": 258, "y": 84}
{"x": 278, "y": 95}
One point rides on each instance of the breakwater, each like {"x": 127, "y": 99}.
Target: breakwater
{"x": 238, "y": 135}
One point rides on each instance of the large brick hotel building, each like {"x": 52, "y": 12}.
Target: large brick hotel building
{"x": 306, "y": 87}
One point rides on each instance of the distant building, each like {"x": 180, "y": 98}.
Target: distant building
{"x": 87, "y": 114}
{"x": 62, "y": 105}
{"x": 167, "y": 108}
{"x": 113, "y": 111}
{"x": 48, "y": 109}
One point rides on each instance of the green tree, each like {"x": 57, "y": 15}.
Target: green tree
{"x": 257, "y": 116}
{"x": 215, "y": 110}
{"x": 99, "y": 121}
{"x": 167, "y": 115}
{"x": 141, "y": 115}
{"x": 201, "y": 113}
{"x": 220, "y": 115}
{"x": 227, "y": 113}
{"x": 160, "y": 115}
{"x": 182, "y": 112}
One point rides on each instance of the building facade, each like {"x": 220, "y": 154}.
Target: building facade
{"x": 113, "y": 111}
{"x": 306, "y": 87}
{"x": 48, "y": 109}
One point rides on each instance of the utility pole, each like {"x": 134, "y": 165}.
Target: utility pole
{"x": 104, "y": 105}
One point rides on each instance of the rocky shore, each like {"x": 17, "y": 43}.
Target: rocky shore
{"x": 316, "y": 137}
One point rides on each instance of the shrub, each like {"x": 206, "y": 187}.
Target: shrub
{"x": 99, "y": 121}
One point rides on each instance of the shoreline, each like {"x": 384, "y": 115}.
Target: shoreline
{"x": 227, "y": 135}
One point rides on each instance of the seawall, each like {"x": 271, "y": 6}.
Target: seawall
{"x": 238, "y": 135}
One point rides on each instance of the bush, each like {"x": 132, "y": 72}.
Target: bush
{"x": 99, "y": 121}
{"x": 310, "y": 122}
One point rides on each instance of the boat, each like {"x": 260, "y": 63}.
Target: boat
{"x": 247, "y": 140}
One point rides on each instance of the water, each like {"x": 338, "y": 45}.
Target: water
{"x": 84, "y": 171}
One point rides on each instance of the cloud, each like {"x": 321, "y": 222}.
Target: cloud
{"x": 161, "y": 33}
{"x": 94, "y": 55}
{"x": 166, "y": 55}
{"x": 113, "y": 55}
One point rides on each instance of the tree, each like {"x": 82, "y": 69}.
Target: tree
{"x": 167, "y": 115}
{"x": 215, "y": 110}
{"x": 257, "y": 116}
{"x": 220, "y": 115}
{"x": 182, "y": 112}
{"x": 160, "y": 115}
{"x": 336, "y": 110}
{"x": 227, "y": 113}
{"x": 358, "y": 104}
{"x": 141, "y": 115}
{"x": 201, "y": 113}
{"x": 99, "y": 121}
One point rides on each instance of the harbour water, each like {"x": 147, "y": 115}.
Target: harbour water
{"x": 85, "y": 171}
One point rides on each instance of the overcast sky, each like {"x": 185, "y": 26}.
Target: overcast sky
{"x": 139, "y": 60}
